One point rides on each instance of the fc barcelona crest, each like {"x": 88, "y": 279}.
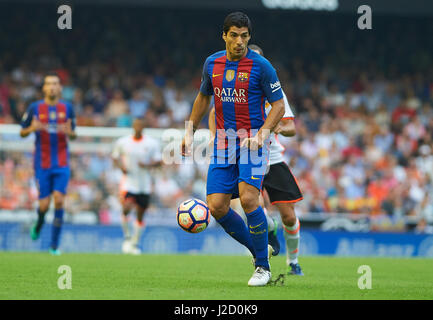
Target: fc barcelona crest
{"x": 243, "y": 76}
{"x": 230, "y": 75}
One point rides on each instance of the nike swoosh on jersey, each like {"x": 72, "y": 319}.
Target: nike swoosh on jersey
{"x": 216, "y": 75}
{"x": 254, "y": 178}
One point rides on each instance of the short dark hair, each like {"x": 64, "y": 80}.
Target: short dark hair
{"x": 237, "y": 19}
{"x": 257, "y": 48}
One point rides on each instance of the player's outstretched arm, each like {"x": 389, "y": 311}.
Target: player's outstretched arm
{"x": 119, "y": 164}
{"x": 117, "y": 158}
{"x": 274, "y": 117}
{"x": 199, "y": 109}
{"x": 71, "y": 134}
{"x": 68, "y": 129}
{"x": 35, "y": 125}
{"x": 212, "y": 127}
{"x": 25, "y": 132}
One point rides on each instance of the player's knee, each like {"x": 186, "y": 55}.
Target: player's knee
{"x": 43, "y": 209}
{"x": 127, "y": 206}
{"x": 249, "y": 201}
{"x": 58, "y": 205}
{"x": 288, "y": 215}
{"x": 289, "y": 221}
{"x": 44, "y": 205}
{"x": 140, "y": 214}
{"x": 58, "y": 201}
{"x": 218, "y": 209}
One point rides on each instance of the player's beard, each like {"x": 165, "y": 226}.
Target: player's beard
{"x": 238, "y": 53}
{"x": 52, "y": 96}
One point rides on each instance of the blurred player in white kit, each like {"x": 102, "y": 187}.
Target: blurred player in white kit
{"x": 135, "y": 155}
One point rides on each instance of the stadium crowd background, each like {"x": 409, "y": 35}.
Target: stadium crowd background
{"x": 363, "y": 101}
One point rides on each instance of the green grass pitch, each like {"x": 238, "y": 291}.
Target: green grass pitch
{"x": 28, "y": 275}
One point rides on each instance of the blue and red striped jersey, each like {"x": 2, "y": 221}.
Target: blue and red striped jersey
{"x": 51, "y": 146}
{"x": 240, "y": 89}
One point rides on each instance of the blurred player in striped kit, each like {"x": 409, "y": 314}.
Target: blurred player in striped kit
{"x": 281, "y": 186}
{"x": 53, "y": 122}
{"x": 135, "y": 155}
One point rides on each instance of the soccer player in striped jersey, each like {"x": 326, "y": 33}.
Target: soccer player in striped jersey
{"x": 53, "y": 122}
{"x": 240, "y": 80}
{"x": 135, "y": 155}
{"x": 280, "y": 184}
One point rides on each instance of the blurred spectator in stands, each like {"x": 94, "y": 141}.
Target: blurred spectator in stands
{"x": 391, "y": 99}
{"x": 370, "y": 98}
{"x": 77, "y": 101}
{"x": 68, "y": 91}
{"x": 425, "y": 221}
{"x": 86, "y": 117}
{"x": 166, "y": 189}
{"x": 424, "y": 161}
{"x": 378, "y": 190}
{"x": 334, "y": 98}
{"x": 384, "y": 139}
{"x": 117, "y": 110}
{"x": 402, "y": 114}
{"x": 138, "y": 105}
{"x": 180, "y": 108}
{"x": 312, "y": 118}
{"x": 95, "y": 96}
{"x": 159, "y": 108}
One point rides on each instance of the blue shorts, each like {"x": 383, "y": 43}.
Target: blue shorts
{"x": 49, "y": 180}
{"x": 227, "y": 171}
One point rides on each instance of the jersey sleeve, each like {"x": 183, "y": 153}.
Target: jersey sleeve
{"x": 270, "y": 83}
{"x": 117, "y": 149}
{"x": 288, "y": 113}
{"x": 27, "y": 118}
{"x": 206, "y": 83}
{"x": 71, "y": 115}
